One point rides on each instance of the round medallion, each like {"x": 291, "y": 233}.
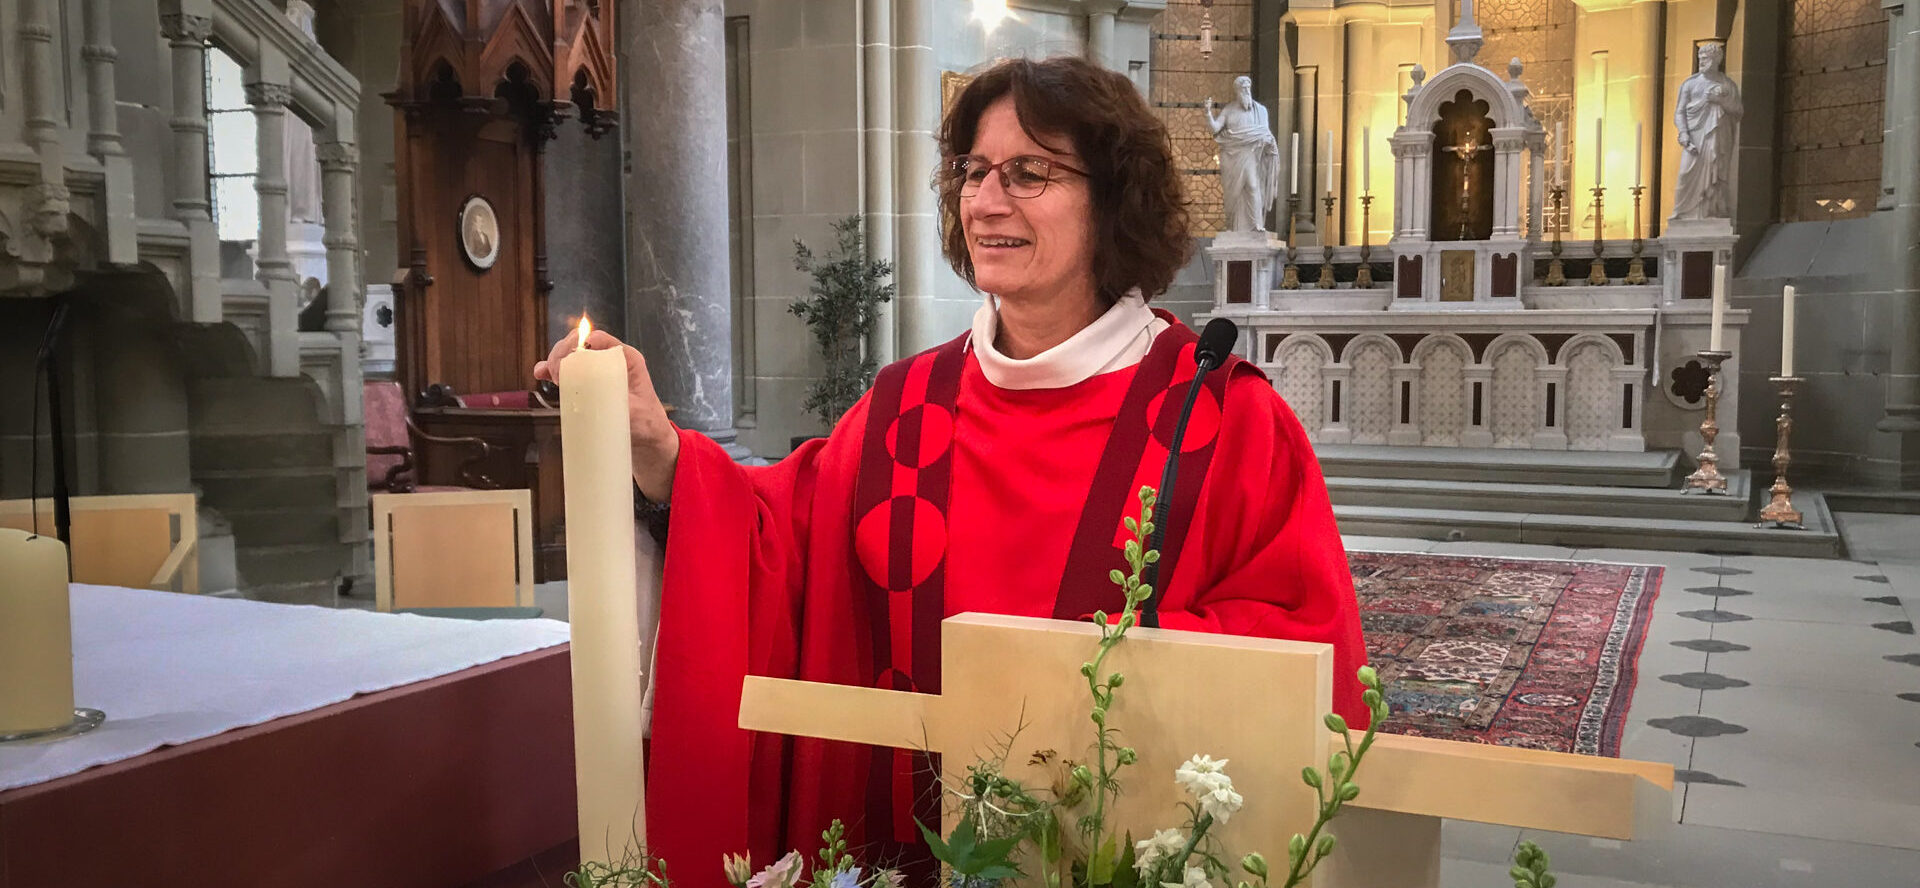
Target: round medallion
{"x": 479, "y": 233}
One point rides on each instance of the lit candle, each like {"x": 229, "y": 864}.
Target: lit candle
{"x": 1786, "y": 331}
{"x": 1714, "y": 337}
{"x": 1366, "y": 160}
{"x": 1599, "y": 152}
{"x": 1637, "y": 181}
{"x": 596, "y": 452}
{"x": 36, "y": 634}
{"x": 1329, "y": 161}
{"x": 1560, "y": 154}
{"x": 1294, "y": 188}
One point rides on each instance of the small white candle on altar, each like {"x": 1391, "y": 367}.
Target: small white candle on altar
{"x": 1329, "y": 161}
{"x": 1714, "y": 336}
{"x": 1559, "y": 154}
{"x": 1599, "y": 152}
{"x": 596, "y": 449}
{"x": 36, "y": 634}
{"x": 1786, "y": 331}
{"x": 1294, "y": 188}
{"x": 1637, "y": 181}
{"x": 1366, "y": 160}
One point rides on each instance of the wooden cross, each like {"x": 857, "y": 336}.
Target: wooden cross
{"x": 1254, "y": 701}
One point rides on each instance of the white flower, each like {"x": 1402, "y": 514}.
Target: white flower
{"x": 782, "y": 874}
{"x": 1195, "y": 878}
{"x": 1197, "y": 768}
{"x": 1221, "y": 803}
{"x": 1148, "y": 852}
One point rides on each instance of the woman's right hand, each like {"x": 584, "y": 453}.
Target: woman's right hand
{"x": 656, "y": 443}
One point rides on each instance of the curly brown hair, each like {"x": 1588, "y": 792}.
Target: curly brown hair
{"x": 1141, "y": 236}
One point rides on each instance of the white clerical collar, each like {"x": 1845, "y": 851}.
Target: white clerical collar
{"x": 1115, "y": 340}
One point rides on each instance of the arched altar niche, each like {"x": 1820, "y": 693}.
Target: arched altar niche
{"x": 1463, "y": 170}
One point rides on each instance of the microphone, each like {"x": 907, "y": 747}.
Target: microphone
{"x": 1216, "y": 342}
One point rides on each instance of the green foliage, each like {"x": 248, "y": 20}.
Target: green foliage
{"x": 1530, "y": 868}
{"x": 833, "y": 858}
{"x": 969, "y": 856}
{"x": 840, "y": 308}
{"x": 634, "y": 869}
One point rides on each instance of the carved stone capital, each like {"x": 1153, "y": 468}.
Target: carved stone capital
{"x": 96, "y": 53}
{"x": 272, "y": 95}
{"x": 50, "y": 204}
{"x": 186, "y": 29}
{"x": 337, "y": 157}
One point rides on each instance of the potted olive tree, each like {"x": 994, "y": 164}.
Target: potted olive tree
{"x": 840, "y": 308}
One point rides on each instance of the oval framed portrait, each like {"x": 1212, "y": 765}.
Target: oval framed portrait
{"x": 479, "y": 233}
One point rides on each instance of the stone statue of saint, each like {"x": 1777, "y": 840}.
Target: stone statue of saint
{"x": 1707, "y": 114}
{"x": 1249, "y": 159}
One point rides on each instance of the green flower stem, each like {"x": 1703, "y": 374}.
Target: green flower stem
{"x": 1200, "y": 828}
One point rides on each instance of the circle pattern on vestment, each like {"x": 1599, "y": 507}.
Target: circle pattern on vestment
{"x": 929, "y": 544}
{"x": 935, "y": 426}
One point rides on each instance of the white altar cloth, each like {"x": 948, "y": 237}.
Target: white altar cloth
{"x": 168, "y": 668}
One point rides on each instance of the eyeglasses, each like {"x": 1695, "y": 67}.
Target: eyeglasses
{"x": 1025, "y": 176}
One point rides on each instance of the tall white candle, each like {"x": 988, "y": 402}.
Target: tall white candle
{"x": 1294, "y": 188}
{"x": 36, "y": 634}
{"x": 1366, "y": 160}
{"x": 1637, "y": 181}
{"x": 603, "y": 611}
{"x": 1599, "y": 151}
{"x": 1786, "y": 331}
{"x": 1560, "y": 153}
{"x": 1714, "y": 336}
{"x": 1329, "y": 161}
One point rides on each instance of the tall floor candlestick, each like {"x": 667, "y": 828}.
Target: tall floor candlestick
{"x": 1556, "y": 272}
{"x": 1327, "y": 235}
{"x": 1637, "y": 269}
{"x": 1364, "y": 277}
{"x": 1290, "y": 276}
{"x": 1707, "y": 478}
{"x": 1779, "y": 510}
{"x": 1597, "y": 276}
{"x": 596, "y": 450}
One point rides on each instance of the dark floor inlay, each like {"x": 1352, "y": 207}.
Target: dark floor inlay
{"x": 1909, "y": 659}
{"x": 1711, "y": 646}
{"x": 1874, "y": 578}
{"x": 1704, "y": 681}
{"x": 1715, "y": 616}
{"x": 1904, "y": 627}
{"x": 1717, "y": 591}
{"x": 1909, "y": 696}
{"x": 1885, "y": 599}
{"x": 1688, "y": 775}
{"x": 1723, "y": 571}
{"x": 1696, "y": 726}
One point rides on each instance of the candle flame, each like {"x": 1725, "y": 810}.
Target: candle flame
{"x": 586, "y": 329}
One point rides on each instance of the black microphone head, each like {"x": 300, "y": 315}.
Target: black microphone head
{"x": 1216, "y": 342}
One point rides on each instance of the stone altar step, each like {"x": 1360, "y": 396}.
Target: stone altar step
{"x": 1820, "y": 539}
{"x": 1656, "y": 468}
{"x": 1555, "y": 499}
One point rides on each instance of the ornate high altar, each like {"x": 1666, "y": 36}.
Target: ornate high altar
{"x": 1471, "y": 336}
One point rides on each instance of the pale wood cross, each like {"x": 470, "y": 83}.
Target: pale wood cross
{"x": 1257, "y": 702}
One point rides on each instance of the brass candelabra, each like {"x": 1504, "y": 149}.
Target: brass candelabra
{"x": 1290, "y": 275}
{"x": 1364, "y": 277}
{"x": 1326, "y": 247}
{"x": 1597, "y": 276}
{"x": 1556, "y": 272}
{"x": 1707, "y": 478}
{"x": 1779, "y": 511}
{"x": 1637, "y": 269}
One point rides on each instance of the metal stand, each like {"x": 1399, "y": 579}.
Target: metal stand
{"x": 84, "y": 720}
{"x": 1779, "y": 511}
{"x": 1637, "y": 269}
{"x": 1597, "y": 276}
{"x": 1290, "y": 276}
{"x": 1707, "y": 478}
{"x": 1326, "y": 247}
{"x": 1364, "y": 277}
{"x": 1557, "y": 273}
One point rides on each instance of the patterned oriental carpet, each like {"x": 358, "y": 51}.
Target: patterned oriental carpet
{"x": 1537, "y": 654}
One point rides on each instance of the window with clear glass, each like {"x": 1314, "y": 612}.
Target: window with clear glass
{"x": 232, "y": 154}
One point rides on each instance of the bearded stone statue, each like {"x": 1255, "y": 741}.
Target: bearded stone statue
{"x": 1249, "y": 159}
{"x": 1707, "y": 115}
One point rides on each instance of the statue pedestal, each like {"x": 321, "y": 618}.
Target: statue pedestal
{"x": 1243, "y": 267}
{"x": 1689, "y": 248}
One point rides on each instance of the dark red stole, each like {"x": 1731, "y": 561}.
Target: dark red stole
{"x": 900, "y": 534}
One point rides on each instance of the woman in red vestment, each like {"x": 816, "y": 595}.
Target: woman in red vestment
{"x": 989, "y": 474}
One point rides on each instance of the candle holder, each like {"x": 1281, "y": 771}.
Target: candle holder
{"x": 1364, "y": 277}
{"x": 1637, "y": 269}
{"x": 1707, "y": 478}
{"x": 1290, "y": 276}
{"x": 1779, "y": 511}
{"x": 1326, "y": 247}
{"x": 1597, "y": 275}
{"x": 84, "y": 720}
{"x": 1556, "y": 272}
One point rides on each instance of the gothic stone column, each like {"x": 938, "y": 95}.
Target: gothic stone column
{"x": 269, "y": 98}
{"x": 679, "y": 306}
{"x": 188, "y": 34}
{"x": 337, "y": 163}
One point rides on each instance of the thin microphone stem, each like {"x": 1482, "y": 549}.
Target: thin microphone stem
{"x": 49, "y": 361}
{"x": 1163, "y": 502}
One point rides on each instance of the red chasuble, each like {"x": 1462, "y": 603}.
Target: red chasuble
{"x": 940, "y": 494}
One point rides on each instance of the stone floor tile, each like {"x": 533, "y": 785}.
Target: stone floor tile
{"x": 1679, "y": 562}
{"x": 551, "y": 598}
{"x": 1804, "y": 576}
{"x": 1812, "y": 815}
{"x": 1492, "y": 549}
{"x": 1816, "y": 656}
{"x": 1485, "y": 842}
{"x": 1694, "y": 856}
{"x": 1357, "y": 543}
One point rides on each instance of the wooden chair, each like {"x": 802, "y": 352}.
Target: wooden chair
{"x": 392, "y": 439}
{"x": 141, "y": 541}
{"x": 463, "y": 548}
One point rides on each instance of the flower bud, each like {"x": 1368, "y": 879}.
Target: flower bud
{"x": 1335, "y": 723}
{"x": 1255, "y": 864}
{"x": 1369, "y": 677}
{"x": 1127, "y": 756}
{"x": 1349, "y": 792}
{"x": 1326, "y": 846}
{"x": 1310, "y": 777}
{"x": 1297, "y": 847}
{"x": 1083, "y": 775}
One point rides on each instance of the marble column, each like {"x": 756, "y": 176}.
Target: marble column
{"x": 1902, "y": 154}
{"x": 187, "y": 35}
{"x": 1100, "y": 32}
{"x": 679, "y": 305}
{"x": 103, "y": 134}
{"x": 269, "y": 97}
{"x": 876, "y": 141}
{"x": 338, "y": 161}
{"x": 916, "y": 113}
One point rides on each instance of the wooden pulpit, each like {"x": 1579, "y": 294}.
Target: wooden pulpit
{"x": 1260, "y": 703}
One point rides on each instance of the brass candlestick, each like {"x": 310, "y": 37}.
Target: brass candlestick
{"x": 1290, "y": 276}
{"x": 1637, "y": 269}
{"x": 1557, "y": 273}
{"x": 1326, "y": 247}
{"x": 1707, "y": 478}
{"x": 1364, "y": 277}
{"x": 1597, "y": 276}
{"x": 1779, "y": 511}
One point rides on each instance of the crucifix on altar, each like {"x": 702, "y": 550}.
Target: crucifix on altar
{"x": 1255, "y": 701}
{"x": 1468, "y": 148}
